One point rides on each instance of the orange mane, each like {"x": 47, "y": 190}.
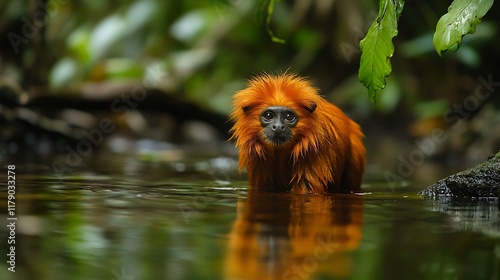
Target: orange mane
{"x": 325, "y": 154}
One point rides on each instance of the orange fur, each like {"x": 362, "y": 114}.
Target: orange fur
{"x": 323, "y": 229}
{"x": 325, "y": 153}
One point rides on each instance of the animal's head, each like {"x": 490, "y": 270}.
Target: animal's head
{"x": 274, "y": 111}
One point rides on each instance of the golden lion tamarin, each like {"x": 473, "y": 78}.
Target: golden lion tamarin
{"x": 290, "y": 139}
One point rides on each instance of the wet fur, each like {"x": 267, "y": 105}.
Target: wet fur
{"x": 325, "y": 154}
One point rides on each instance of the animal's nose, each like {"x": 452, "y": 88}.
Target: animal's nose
{"x": 278, "y": 127}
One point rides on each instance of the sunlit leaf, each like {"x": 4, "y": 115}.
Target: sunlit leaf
{"x": 138, "y": 15}
{"x": 461, "y": 19}
{"x": 79, "y": 44}
{"x": 123, "y": 69}
{"x": 106, "y": 34}
{"x": 189, "y": 26}
{"x": 377, "y": 47}
{"x": 63, "y": 72}
{"x": 116, "y": 27}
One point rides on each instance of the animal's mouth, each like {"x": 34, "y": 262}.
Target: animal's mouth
{"x": 278, "y": 138}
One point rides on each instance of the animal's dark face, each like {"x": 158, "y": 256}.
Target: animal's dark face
{"x": 278, "y": 123}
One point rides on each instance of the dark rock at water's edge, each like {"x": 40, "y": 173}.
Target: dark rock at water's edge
{"x": 480, "y": 181}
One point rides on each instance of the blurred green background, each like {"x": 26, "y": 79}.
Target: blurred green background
{"x": 115, "y": 116}
{"x": 166, "y": 71}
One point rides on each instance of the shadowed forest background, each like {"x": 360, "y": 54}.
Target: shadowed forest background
{"x": 116, "y": 161}
{"x": 156, "y": 78}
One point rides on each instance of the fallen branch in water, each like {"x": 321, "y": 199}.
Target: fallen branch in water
{"x": 41, "y": 103}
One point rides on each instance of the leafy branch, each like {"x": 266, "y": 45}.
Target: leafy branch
{"x": 377, "y": 47}
{"x": 461, "y": 19}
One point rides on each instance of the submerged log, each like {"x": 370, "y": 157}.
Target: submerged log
{"x": 480, "y": 181}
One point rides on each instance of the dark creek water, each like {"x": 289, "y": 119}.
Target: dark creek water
{"x": 125, "y": 218}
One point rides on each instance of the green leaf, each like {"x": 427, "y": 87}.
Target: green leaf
{"x": 269, "y": 5}
{"x": 377, "y": 47}
{"x": 461, "y": 19}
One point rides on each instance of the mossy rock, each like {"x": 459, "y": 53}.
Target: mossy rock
{"x": 480, "y": 181}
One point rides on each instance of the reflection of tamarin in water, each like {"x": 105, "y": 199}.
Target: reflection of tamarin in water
{"x": 283, "y": 236}
{"x": 291, "y": 139}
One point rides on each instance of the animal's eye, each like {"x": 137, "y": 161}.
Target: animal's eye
{"x": 289, "y": 117}
{"x": 268, "y": 115}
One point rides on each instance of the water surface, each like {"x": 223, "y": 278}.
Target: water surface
{"x": 120, "y": 217}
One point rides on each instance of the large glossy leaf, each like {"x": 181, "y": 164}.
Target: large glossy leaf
{"x": 461, "y": 19}
{"x": 377, "y": 47}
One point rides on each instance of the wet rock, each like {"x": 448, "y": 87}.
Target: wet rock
{"x": 480, "y": 181}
